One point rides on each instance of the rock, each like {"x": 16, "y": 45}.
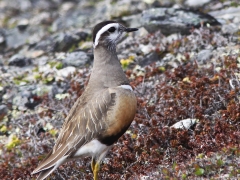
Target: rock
{"x": 231, "y": 28}
{"x": 184, "y": 124}
{"x": 3, "y": 111}
{"x": 77, "y": 18}
{"x": 133, "y": 20}
{"x": 27, "y": 97}
{"x": 19, "y": 60}
{"x": 23, "y": 24}
{"x": 194, "y": 3}
{"x": 149, "y": 59}
{"x": 170, "y": 20}
{"x": 16, "y": 38}
{"x": 123, "y": 8}
{"x": 65, "y": 72}
{"x": 61, "y": 41}
{"x": 42, "y": 18}
{"x": 59, "y": 88}
{"x": 229, "y": 13}
{"x": 204, "y": 55}
{"x": 146, "y": 49}
{"x": 23, "y": 34}
{"x": 18, "y": 5}
{"x": 76, "y": 59}
{"x": 2, "y": 39}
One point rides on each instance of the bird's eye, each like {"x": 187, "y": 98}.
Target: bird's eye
{"x": 111, "y": 29}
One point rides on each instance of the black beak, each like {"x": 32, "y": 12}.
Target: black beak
{"x": 131, "y": 29}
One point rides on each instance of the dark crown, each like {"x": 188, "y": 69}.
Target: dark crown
{"x": 99, "y": 26}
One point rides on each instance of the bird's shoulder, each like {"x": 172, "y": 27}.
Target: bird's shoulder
{"x": 88, "y": 118}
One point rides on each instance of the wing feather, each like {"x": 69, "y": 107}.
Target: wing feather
{"x": 85, "y": 121}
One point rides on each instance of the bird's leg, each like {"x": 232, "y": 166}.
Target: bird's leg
{"x": 93, "y": 164}
{"x": 96, "y": 170}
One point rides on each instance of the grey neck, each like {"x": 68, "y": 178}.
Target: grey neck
{"x": 107, "y": 70}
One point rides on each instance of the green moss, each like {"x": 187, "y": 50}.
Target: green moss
{"x": 48, "y": 79}
{"x": 3, "y": 129}
{"x": 37, "y": 76}
{"x": 14, "y": 141}
{"x": 184, "y": 176}
{"x": 53, "y": 132}
{"x": 162, "y": 68}
{"x": 126, "y": 62}
{"x": 200, "y": 156}
{"x": 56, "y": 64}
{"x": 59, "y": 65}
{"x": 36, "y": 69}
{"x": 72, "y": 48}
{"x": 199, "y": 171}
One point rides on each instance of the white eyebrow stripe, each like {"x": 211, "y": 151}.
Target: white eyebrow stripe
{"x": 126, "y": 87}
{"x": 102, "y": 30}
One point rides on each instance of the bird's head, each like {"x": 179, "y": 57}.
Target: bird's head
{"x": 109, "y": 33}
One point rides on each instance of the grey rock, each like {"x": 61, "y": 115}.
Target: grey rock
{"x": 76, "y": 59}
{"x": 227, "y": 13}
{"x": 18, "y": 5}
{"x": 149, "y": 59}
{"x": 26, "y": 98}
{"x": 123, "y": 8}
{"x": 19, "y": 60}
{"x": 21, "y": 35}
{"x": 61, "y": 41}
{"x": 204, "y": 55}
{"x": 133, "y": 20}
{"x": 185, "y": 124}
{"x": 65, "y": 72}
{"x": 170, "y": 20}
{"x": 59, "y": 88}
{"x": 194, "y": 3}
{"x": 231, "y": 28}
{"x": 75, "y": 19}
{"x": 15, "y": 38}
{"x": 23, "y": 24}
{"x": 2, "y": 40}
{"x": 3, "y": 111}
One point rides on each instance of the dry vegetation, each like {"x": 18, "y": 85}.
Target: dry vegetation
{"x": 150, "y": 148}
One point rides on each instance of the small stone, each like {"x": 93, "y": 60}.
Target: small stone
{"x": 76, "y": 59}
{"x": 62, "y": 41}
{"x": 2, "y": 39}
{"x": 184, "y": 124}
{"x": 149, "y": 59}
{"x": 65, "y": 72}
{"x": 230, "y": 28}
{"x": 23, "y": 24}
{"x": 34, "y": 54}
{"x": 204, "y": 55}
{"x": 194, "y": 3}
{"x": 146, "y": 49}
{"x": 19, "y": 60}
{"x": 3, "y": 111}
{"x": 171, "y": 20}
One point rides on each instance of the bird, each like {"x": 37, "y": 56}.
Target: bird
{"x": 104, "y": 111}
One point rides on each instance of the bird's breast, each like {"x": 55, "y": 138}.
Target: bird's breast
{"x": 121, "y": 115}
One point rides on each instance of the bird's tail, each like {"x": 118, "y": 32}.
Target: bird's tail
{"x": 45, "y": 173}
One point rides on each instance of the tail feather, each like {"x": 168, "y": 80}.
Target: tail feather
{"x": 52, "y": 160}
{"x": 45, "y": 173}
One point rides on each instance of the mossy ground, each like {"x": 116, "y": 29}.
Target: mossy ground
{"x": 150, "y": 148}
